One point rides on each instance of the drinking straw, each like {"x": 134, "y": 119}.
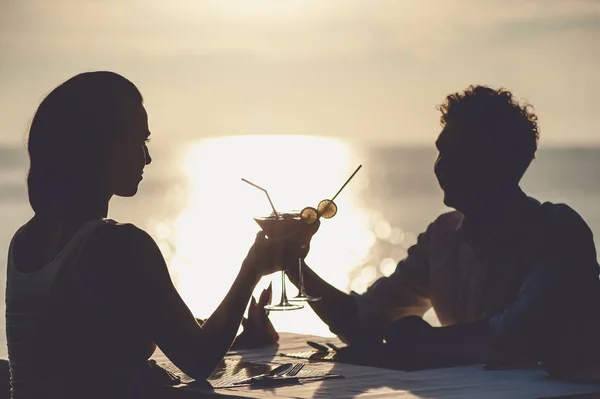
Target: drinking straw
{"x": 265, "y": 191}
{"x": 340, "y": 190}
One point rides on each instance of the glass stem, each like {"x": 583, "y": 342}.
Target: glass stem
{"x": 284, "y": 300}
{"x": 301, "y": 278}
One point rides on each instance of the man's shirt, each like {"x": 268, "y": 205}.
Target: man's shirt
{"x": 535, "y": 279}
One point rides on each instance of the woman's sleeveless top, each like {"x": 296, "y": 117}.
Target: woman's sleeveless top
{"x": 31, "y": 303}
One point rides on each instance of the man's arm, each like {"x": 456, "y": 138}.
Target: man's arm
{"x": 336, "y": 308}
{"x": 353, "y": 316}
{"x": 552, "y": 302}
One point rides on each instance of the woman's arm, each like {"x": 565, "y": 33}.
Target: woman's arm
{"x": 138, "y": 286}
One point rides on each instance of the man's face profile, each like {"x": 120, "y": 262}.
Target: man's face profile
{"x": 464, "y": 164}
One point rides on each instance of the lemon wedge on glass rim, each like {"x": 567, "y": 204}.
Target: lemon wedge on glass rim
{"x": 326, "y": 209}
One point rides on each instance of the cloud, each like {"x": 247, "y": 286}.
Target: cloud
{"x": 338, "y": 67}
{"x": 297, "y": 29}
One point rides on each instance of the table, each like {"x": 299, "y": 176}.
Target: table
{"x": 373, "y": 383}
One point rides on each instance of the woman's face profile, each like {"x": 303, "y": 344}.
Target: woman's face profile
{"x": 129, "y": 154}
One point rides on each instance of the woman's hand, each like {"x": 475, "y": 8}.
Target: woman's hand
{"x": 262, "y": 256}
{"x": 269, "y": 255}
{"x": 258, "y": 330}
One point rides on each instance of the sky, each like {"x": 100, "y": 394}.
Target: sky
{"x": 367, "y": 70}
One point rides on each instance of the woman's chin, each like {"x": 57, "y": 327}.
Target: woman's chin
{"x": 128, "y": 192}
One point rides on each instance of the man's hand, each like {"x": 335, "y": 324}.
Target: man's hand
{"x": 409, "y": 334}
{"x": 396, "y": 345}
{"x": 258, "y": 330}
{"x": 299, "y": 247}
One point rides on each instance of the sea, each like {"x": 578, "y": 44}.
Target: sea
{"x": 193, "y": 202}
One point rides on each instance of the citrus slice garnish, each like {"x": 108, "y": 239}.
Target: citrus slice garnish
{"x": 309, "y": 215}
{"x": 327, "y": 209}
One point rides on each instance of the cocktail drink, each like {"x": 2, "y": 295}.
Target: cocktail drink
{"x": 281, "y": 226}
{"x": 294, "y": 230}
{"x": 286, "y": 228}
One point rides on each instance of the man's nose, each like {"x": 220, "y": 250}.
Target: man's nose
{"x": 438, "y": 167}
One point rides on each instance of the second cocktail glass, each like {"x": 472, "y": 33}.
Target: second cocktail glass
{"x": 282, "y": 226}
{"x": 302, "y": 295}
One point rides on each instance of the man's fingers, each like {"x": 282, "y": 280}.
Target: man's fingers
{"x": 313, "y": 228}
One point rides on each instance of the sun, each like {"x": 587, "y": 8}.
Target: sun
{"x": 213, "y": 233}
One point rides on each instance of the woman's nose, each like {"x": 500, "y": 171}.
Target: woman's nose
{"x": 147, "y": 155}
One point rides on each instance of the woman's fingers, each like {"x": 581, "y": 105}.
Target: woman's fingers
{"x": 265, "y": 296}
{"x": 253, "y": 310}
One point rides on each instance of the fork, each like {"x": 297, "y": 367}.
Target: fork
{"x": 294, "y": 370}
{"x": 279, "y": 371}
{"x": 290, "y": 376}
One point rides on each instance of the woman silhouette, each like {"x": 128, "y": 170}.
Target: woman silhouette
{"x": 88, "y": 299}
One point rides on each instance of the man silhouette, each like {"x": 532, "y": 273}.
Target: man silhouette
{"x": 506, "y": 275}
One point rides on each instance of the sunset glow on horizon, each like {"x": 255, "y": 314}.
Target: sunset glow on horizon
{"x": 216, "y": 230}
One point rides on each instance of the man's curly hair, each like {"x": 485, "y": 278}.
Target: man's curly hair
{"x": 508, "y": 126}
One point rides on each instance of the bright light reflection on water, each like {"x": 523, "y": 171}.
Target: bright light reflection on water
{"x": 213, "y": 234}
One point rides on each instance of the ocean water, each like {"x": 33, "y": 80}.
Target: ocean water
{"x": 194, "y": 204}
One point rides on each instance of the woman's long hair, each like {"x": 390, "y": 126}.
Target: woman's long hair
{"x": 70, "y": 134}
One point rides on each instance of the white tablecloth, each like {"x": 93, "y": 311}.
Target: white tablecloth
{"x": 370, "y": 382}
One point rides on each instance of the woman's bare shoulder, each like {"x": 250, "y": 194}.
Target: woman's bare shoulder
{"x": 124, "y": 242}
{"x": 116, "y": 233}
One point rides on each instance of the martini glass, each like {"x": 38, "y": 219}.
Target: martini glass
{"x": 290, "y": 226}
{"x": 302, "y": 296}
{"x": 279, "y": 226}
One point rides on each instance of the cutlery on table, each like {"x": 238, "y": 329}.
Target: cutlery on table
{"x": 332, "y": 346}
{"x": 318, "y": 347}
{"x": 276, "y": 372}
{"x": 294, "y": 371}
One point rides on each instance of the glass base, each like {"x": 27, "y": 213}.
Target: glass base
{"x": 284, "y": 307}
{"x": 305, "y": 298}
